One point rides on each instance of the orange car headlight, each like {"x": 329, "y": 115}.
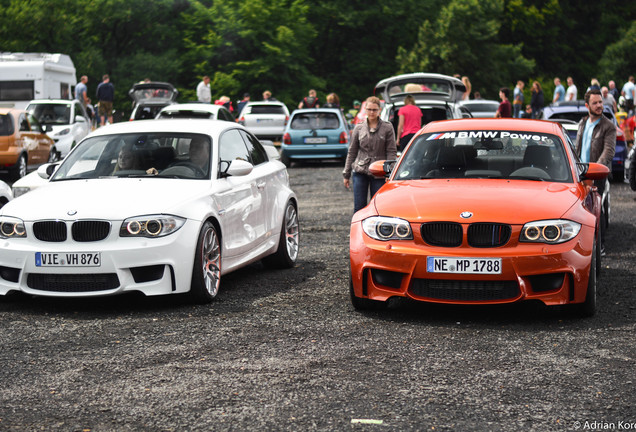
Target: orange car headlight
{"x": 387, "y": 228}
{"x": 549, "y": 231}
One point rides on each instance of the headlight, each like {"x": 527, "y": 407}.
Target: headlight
{"x": 18, "y": 191}
{"x": 150, "y": 226}
{"x": 11, "y": 227}
{"x": 64, "y": 131}
{"x": 387, "y": 228}
{"x": 549, "y": 231}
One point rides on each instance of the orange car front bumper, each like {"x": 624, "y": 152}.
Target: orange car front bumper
{"x": 554, "y": 274}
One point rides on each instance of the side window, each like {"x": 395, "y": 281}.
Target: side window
{"x": 224, "y": 115}
{"x": 232, "y": 147}
{"x": 77, "y": 111}
{"x": 35, "y": 125}
{"x": 257, "y": 152}
{"x": 24, "y": 124}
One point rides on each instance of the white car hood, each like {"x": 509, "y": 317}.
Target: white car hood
{"x": 108, "y": 199}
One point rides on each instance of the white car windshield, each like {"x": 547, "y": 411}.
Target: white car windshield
{"x": 486, "y": 154}
{"x": 51, "y": 114}
{"x": 175, "y": 155}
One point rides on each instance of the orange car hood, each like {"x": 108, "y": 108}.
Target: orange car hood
{"x": 512, "y": 202}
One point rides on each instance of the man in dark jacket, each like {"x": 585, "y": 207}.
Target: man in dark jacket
{"x": 105, "y": 96}
{"x": 596, "y": 141}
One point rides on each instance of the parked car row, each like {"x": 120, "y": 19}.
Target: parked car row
{"x": 170, "y": 205}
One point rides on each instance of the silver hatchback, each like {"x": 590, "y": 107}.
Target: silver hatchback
{"x": 266, "y": 120}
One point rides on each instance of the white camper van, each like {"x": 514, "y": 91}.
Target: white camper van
{"x": 28, "y": 76}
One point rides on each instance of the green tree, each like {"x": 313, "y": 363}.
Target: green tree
{"x": 618, "y": 61}
{"x": 464, "y": 40}
{"x": 358, "y": 40}
{"x": 249, "y": 45}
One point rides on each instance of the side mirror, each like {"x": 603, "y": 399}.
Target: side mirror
{"x": 239, "y": 168}
{"x": 382, "y": 168}
{"x": 47, "y": 129}
{"x": 80, "y": 119}
{"x": 593, "y": 171}
{"x": 46, "y": 171}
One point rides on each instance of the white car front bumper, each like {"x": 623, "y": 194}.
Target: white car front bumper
{"x": 153, "y": 266}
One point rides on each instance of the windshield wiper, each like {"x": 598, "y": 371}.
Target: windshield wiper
{"x": 526, "y": 178}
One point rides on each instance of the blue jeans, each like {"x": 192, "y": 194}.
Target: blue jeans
{"x": 362, "y": 183}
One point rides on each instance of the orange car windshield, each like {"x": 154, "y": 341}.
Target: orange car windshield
{"x": 510, "y": 155}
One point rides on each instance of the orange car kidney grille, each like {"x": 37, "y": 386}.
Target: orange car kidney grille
{"x": 480, "y": 235}
{"x": 447, "y": 234}
{"x": 488, "y": 234}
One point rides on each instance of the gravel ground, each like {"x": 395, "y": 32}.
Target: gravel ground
{"x": 284, "y": 350}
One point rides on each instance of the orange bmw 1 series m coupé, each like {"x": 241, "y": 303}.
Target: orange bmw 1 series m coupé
{"x": 481, "y": 211}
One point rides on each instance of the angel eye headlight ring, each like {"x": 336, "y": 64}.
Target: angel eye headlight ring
{"x": 551, "y": 232}
{"x": 153, "y": 227}
{"x": 532, "y": 233}
{"x": 386, "y": 228}
{"x": 134, "y": 227}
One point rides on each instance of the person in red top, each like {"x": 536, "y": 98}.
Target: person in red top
{"x": 410, "y": 121}
{"x": 628, "y": 130}
{"x": 505, "y": 109}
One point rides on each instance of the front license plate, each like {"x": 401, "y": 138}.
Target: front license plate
{"x": 316, "y": 140}
{"x": 463, "y": 265}
{"x": 68, "y": 259}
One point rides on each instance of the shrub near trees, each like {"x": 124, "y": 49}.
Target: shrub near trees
{"x": 289, "y": 46}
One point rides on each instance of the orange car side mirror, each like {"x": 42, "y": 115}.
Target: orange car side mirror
{"x": 595, "y": 171}
{"x": 382, "y": 168}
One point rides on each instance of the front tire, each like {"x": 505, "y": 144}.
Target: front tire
{"x": 631, "y": 173}
{"x": 288, "y": 243}
{"x": 588, "y": 307}
{"x": 20, "y": 168}
{"x": 206, "y": 273}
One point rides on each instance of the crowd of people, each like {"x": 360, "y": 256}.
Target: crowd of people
{"x": 375, "y": 139}
{"x": 105, "y": 96}
{"x": 617, "y": 100}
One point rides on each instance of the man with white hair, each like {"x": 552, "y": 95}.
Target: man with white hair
{"x": 608, "y": 99}
{"x": 613, "y": 90}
